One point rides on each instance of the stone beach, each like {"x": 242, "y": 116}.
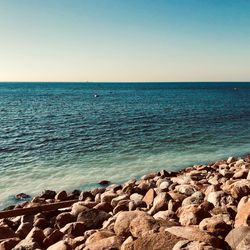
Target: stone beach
{"x": 200, "y": 207}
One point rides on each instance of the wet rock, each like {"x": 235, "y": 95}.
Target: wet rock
{"x": 22, "y": 196}
{"x": 48, "y": 194}
{"x": 231, "y": 159}
{"x": 104, "y": 183}
{"x": 61, "y": 196}
{"x": 93, "y": 218}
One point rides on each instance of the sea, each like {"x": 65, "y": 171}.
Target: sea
{"x": 66, "y": 136}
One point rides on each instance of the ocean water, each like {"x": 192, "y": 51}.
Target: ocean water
{"x": 60, "y": 136}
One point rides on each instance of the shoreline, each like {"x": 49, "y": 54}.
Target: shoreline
{"x": 203, "y": 206}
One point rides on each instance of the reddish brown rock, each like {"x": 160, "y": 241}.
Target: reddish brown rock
{"x": 60, "y": 245}
{"x": 9, "y": 244}
{"x": 61, "y": 196}
{"x": 123, "y": 220}
{"x": 149, "y": 197}
{"x": 74, "y": 229}
{"x": 153, "y": 241}
{"x": 64, "y": 218}
{"x": 243, "y": 212}
{"x": 113, "y": 242}
{"x": 52, "y": 238}
{"x": 6, "y": 232}
{"x": 194, "y": 233}
{"x": 93, "y": 218}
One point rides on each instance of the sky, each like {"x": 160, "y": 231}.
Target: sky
{"x": 124, "y": 40}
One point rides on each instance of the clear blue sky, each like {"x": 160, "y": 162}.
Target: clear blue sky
{"x": 124, "y": 40}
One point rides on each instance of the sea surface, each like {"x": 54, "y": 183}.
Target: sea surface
{"x": 72, "y": 135}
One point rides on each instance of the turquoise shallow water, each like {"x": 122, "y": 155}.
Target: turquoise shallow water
{"x": 60, "y": 136}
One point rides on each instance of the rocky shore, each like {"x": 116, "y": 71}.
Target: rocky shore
{"x": 200, "y": 207}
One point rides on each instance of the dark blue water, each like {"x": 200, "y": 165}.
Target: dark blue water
{"x": 60, "y": 136}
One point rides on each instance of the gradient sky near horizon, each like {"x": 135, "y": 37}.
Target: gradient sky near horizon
{"x": 125, "y": 40}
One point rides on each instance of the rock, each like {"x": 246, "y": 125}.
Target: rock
{"x": 215, "y": 198}
{"x": 195, "y": 234}
{"x": 113, "y": 242}
{"x": 54, "y": 237}
{"x": 160, "y": 203}
{"x": 48, "y": 194}
{"x": 78, "y": 207}
{"x": 104, "y": 183}
{"x": 215, "y": 225}
{"x": 142, "y": 225}
{"x": 74, "y": 229}
{"x": 149, "y": 197}
{"x": 231, "y": 159}
{"x": 24, "y": 229}
{"x": 99, "y": 235}
{"x": 191, "y": 215}
{"x": 240, "y": 188}
{"x": 93, "y": 218}
{"x": 6, "y": 232}
{"x": 153, "y": 241}
{"x": 191, "y": 245}
{"x": 125, "y": 242}
{"x": 27, "y": 244}
{"x": 22, "y": 196}
{"x": 61, "y": 196}
{"x": 123, "y": 220}
{"x": 64, "y": 218}
{"x": 117, "y": 199}
{"x": 36, "y": 235}
{"x": 122, "y": 206}
{"x": 60, "y": 245}
{"x": 108, "y": 196}
{"x": 164, "y": 186}
{"x": 243, "y": 212}
{"x": 136, "y": 198}
{"x": 41, "y": 223}
{"x": 240, "y": 174}
{"x": 236, "y": 235}
{"x": 185, "y": 189}
{"x": 9, "y": 244}
{"x": 84, "y": 195}
{"x": 104, "y": 206}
